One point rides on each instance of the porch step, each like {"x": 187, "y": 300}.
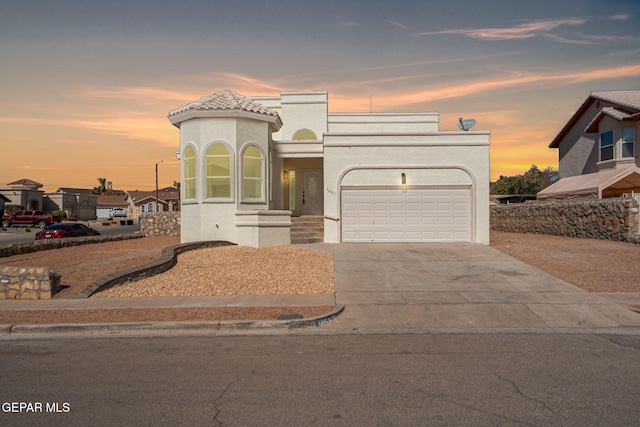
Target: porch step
{"x": 307, "y": 229}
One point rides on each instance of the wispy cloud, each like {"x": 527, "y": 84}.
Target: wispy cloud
{"x": 620, "y": 17}
{"x": 482, "y": 86}
{"x": 628, "y": 52}
{"x": 341, "y": 71}
{"x": 566, "y": 40}
{"x": 346, "y": 24}
{"x": 135, "y": 93}
{"x": 589, "y": 39}
{"x": 522, "y": 31}
{"x": 398, "y": 24}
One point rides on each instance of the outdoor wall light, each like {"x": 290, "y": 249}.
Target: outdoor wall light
{"x": 286, "y": 175}
{"x": 404, "y": 179}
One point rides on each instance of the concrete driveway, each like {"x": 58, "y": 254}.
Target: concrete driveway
{"x": 436, "y": 286}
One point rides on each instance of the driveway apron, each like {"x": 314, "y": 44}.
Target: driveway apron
{"x": 440, "y": 286}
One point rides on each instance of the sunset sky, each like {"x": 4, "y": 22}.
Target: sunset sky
{"x": 86, "y": 85}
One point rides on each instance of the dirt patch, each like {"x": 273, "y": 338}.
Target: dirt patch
{"x": 80, "y": 266}
{"x": 593, "y": 265}
{"x": 156, "y": 314}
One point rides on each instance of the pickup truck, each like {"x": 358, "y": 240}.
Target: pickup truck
{"x": 32, "y": 218}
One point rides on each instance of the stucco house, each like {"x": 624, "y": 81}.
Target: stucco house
{"x": 248, "y": 165}
{"x": 3, "y": 201}
{"x": 140, "y": 202}
{"x": 79, "y": 203}
{"x": 598, "y": 148}
{"x": 23, "y": 194}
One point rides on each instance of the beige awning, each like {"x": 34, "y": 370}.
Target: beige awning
{"x": 608, "y": 183}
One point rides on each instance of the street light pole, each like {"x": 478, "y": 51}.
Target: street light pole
{"x": 157, "y": 183}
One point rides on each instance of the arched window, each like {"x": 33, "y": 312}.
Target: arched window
{"x": 218, "y": 169}
{"x": 304, "y": 135}
{"x": 252, "y": 173}
{"x": 150, "y": 207}
{"x": 189, "y": 173}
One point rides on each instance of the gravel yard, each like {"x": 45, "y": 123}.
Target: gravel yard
{"x": 238, "y": 270}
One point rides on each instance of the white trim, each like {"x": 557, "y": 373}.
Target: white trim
{"x": 182, "y": 177}
{"x": 264, "y": 177}
{"x": 232, "y": 170}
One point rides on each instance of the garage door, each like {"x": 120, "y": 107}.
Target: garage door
{"x": 412, "y": 215}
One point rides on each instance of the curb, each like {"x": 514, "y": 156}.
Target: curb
{"x": 228, "y": 325}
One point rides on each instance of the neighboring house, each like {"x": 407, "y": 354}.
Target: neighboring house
{"x": 514, "y": 198}
{"x": 23, "y": 194}
{"x": 249, "y": 164}
{"x": 140, "y": 202}
{"x": 107, "y": 202}
{"x": 598, "y": 148}
{"x": 78, "y": 203}
{"x": 3, "y": 200}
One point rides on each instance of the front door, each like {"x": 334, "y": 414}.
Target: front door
{"x": 312, "y": 192}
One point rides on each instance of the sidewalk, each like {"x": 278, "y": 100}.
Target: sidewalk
{"x": 171, "y": 302}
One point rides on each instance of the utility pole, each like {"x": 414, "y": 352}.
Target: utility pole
{"x": 157, "y": 183}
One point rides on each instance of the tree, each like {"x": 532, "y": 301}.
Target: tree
{"x": 102, "y": 188}
{"x": 531, "y": 182}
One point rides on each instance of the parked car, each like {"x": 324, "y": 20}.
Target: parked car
{"x": 66, "y": 229}
{"x": 29, "y": 218}
{"x": 118, "y": 213}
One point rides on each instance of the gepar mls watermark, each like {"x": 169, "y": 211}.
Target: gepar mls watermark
{"x": 36, "y": 407}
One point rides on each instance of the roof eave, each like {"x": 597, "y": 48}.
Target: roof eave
{"x": 177, "y": 119}
{"x": 572, "y": 121}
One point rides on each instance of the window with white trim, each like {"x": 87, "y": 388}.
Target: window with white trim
{"x": 606, "y": 146}
{"x": 150, "y": 207}
{"x": 189, "y": 173}
{"x": 252, "y": 173}
{"x": 628, "y": 140}
{"x": 218, "y": 170}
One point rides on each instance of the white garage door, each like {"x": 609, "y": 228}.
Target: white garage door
{"x": 412, "y": 215}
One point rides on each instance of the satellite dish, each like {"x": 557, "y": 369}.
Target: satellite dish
{"x": 466, "y": 124}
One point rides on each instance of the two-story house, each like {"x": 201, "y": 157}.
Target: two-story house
{"x": 248, "y": 165}
{"x": 598, "y": 148}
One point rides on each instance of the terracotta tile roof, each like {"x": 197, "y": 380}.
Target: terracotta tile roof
{"x": 71, "y": 190}
{"x": 25, "y": 183}
{"x": 226, "y": 100}
{"x": 111, "y": 200}
{"x": 616, "y": 113}
{"x": 625, "y": 98}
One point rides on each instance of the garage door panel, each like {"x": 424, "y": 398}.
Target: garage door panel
{"x": 416, "y": 215}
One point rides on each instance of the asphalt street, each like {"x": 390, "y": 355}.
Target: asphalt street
{"x": 368, "y": 379}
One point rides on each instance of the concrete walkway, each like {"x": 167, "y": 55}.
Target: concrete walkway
{"x": 416, "y": 287}
{"x": 459, "y": 287}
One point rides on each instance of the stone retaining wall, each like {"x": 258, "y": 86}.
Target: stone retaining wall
{"x": 160, "y": 224}
{"x": 609, "y": 219}
{"x": 28, "y": 282}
